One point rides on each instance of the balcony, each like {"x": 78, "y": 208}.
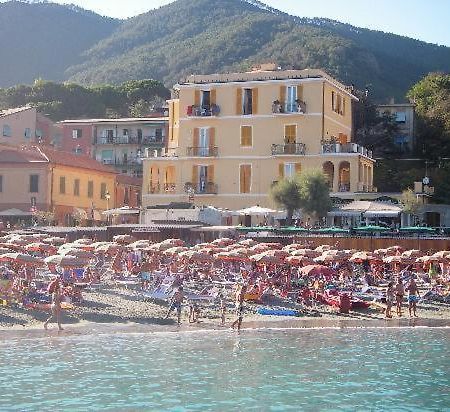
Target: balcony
{"x": 135, "y": 140}
{"x": 169, "y": 187}
{"x": 364, "y": 188}
{"x": 286, "y": 107}
{"x": 133, "y": 162}
{"x": 345, "y": 148}
{"x": 288, "y": 149}
{"x": 203, "y": 111}
{"x": 210, "y": 151}
{"x": 203, "y": 188}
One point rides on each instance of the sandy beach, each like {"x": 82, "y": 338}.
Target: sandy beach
{"x": 118, "y": 308}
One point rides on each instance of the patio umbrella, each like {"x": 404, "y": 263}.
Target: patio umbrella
{"x": 38, "y": 247}
{"x": 395, "y": 259}
{"x": 173, "y": 242}
{"x": 224, "y": 241}
{"x": 394, "y": 250}
{"x": 266, "y": 259}
{"x": 231, "y": 256}
{"x": 79, "y": 253}
{"x": 417, "y": 229}
{"x": 109, "y": 248}
{"x": 330, "y": 230}
{"x": 428, "y": 259}
{"x": 247, "y": 242}
{"x": 322, "y": 248}
{"x": 21, "y": 258}
{"x": 413, "y": 253}
{"x": 442, "y": 254}
{"x": 306, "y": 252}
{"x": 370, "y": 229}
{"x": 298, "y": 260}
{"x": 54, "y": 240}
{"x": 139, "y": 244}
{"x": 84, "y": 241}
{"x": 360, "y": 257}
{"x": 292, "y": 229}
{"x": 256, "y": 211}
{"x": 317, "y": 270}
{"x": 175, "y": 250}
{"x": 66, "y": 261}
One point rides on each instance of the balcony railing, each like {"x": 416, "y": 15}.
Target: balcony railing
{"x": 210, "y": 151}
{"x": 155, "y": 188}
{"x": 203, "y": 111}
{"x": 204, "y": 188}
{"x": 364, "y": 188}
{"x": 344, "y": 187}
{"x": 288, "y": 149}
{"x": 345, "y": 148}
{"x": 130, "y": 140}
{"x": 134, "y": 162}
{"x": 286, "y": 107}
{"x": 169, "y": 187}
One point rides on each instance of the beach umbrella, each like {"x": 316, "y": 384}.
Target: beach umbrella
{"x": 417, "y": 229}
{"x": 201, "y": 257}
{"x": 394, "y": 259}
{"x": 306, "y": 252}
{"x": 317, "y": 270}
{"x": 298, "y": 260}
{"x": 248, "y": 242}
{"x": 124, "y": 239}
{"x": 330, "y": 230}
{"x": 412, "y": 253}
{"x": 79, "y": 253}
{"x": 83, "y": 241}
{"x": 139, "y": 244}
{"x": 231, "y": 256}
{"x": 360, "y": 257}
{"x": 21, "y": 258}
{"x": 442, "y": 254}
{"x": 173, "y": 242}
{"x": 39, "y": 247}
{"x": 394, "y": 250}
{"x": 109, "y": 248}
{"x": 54, "y": 240}
{"x": 175, "y": 250}
{"x": 266, "y": 259}
{"x": 256, "y": 211}
{"x": 428, "y": 259}
{"x": 323, "y": 248}
{"x": 66, "y": 261}
{"x": 224, "y": 241}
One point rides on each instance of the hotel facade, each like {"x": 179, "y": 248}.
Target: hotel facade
{"x": 232, "y": 136}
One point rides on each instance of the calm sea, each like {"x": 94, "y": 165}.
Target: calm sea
{"x": 382, "y": 369}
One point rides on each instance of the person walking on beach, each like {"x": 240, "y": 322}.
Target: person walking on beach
{"x": 176, "y": 301}
{"x": 55, "y": 290}
{"x": 399, "y": 293}
{"x": 240, "y": 294}
{"x": 390, "y": 294}
{"x": 413, "y": 297}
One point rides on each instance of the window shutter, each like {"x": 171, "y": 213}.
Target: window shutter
{"x": 212, "y": 97}
{"x": 210, "y": 173}
{"x": 239, "y": 101}
{"x": 197, "y": 98}
{"x": 298, "y": 168}
{"x": 255, "y": 101}
{"x": 281, "y": 170}
{"x": 212, "y": 136}
{"x": 300, "y": 92}
{"x": 282, "y": 94}
{"x": 194, "y": 175}
{"x": 195, "y": 139}
{"x": 241, "y": 179}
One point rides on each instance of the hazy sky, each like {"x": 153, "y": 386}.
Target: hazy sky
{"x": 427, "y": 20}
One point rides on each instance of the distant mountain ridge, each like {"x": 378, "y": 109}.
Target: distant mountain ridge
{"x": 210, "y": 36}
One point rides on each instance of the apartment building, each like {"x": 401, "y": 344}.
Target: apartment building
{"x": 232, "y": 136}
{"x": 25, "y": 125}
{"x": 117, "y": 142}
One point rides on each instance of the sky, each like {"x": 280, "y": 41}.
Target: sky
{"x": 426, "y": 20}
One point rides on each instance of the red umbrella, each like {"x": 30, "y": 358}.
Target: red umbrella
{"x": 21, "y": 258}
{"x": 317, "y": 270}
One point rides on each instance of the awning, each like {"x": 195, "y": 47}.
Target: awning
{"x": 381, "y": 213}
{"x": 14, "y": 212}
{"x": 214, "y": 229}
{"x": 345, "y": 213}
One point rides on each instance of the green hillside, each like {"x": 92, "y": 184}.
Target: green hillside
{"x": 43, "y": 39}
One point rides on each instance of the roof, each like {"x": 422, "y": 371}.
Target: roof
{"x": 129, "y": 180}
{"x": 114, "y": 121}
{"x": 74, "y": 160}
{"x": 263, "y": 76}
{"x": 20, "y": 155}
{"x": 14, "y": 110}
{"x": 366, "y": 206}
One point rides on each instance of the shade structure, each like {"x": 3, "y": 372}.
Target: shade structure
{"x": 21, "y": 258}
{"x": 371, "y": 228}
{"x": 317, "y": 270}
{"x": 124, "y": 239}
{"x": 66, "y": 261}
{"x": 362, "y": 256}
{"x": 417, "y": 229}
{"x": 255, "y": 228}
{"x": 330, "y": 230}
{"x": 256, "y": 211}
{"x": 292, "y": 229}
{"x": 125, "y": 210}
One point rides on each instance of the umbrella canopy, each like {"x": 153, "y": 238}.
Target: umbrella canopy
{"x": 371, "y": 228}
{"x": 109, "y": 248}
{"x": 332, "y": 230}
{"x": 124, "y": 239}
{"x": 292, "y": 229}
{"x": 413, "y": 253}
{"x": 124, "y": 210}
{"x": 428, "y": 259}
{"x": 306, "y": 252}
{"x": 395, "y": 259}
{"x": 417, "y": 229}
{"x": 79, "y": 253}
{"x": 173, "y": 242}
{"x": 39, "y": 247}
{"x": 317, "y": 270}
{"x": 83, "y": 241}
{"x": 139, "y": 244}
{"x": 224, "y": 241}
{"x": 322, "y": 248}
{"x": 175, "y": 250}
{"x": 266, "y": 259}
{"x": 54, "y": 240}
{"x": 21, "y": 258}
{"x": 298, "y": 260}
{"x": 256, "y": 211}
{"x": 359, "y": 257}
{"x": 66, "y": 261}
{"x": 231, "y": 256}
{"x": 442, "y": 254}
{"x": 247, "y": 242}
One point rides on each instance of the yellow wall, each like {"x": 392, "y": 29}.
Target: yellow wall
{"x": 84, "y": 175}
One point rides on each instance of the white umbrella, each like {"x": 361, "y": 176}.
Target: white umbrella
{"x": 124, "y": 210}
{"x": 256, "y": 211}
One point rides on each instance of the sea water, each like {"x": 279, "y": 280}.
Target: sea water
{"x": 257, "y": 370}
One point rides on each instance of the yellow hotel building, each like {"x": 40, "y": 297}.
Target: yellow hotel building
{"x": 231, "y": 136}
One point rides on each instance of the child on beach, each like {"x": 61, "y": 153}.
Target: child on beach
{"x": 194, "y": 312}
{"x": 176, "y": 301}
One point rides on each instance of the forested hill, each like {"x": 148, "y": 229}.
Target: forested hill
{"x": 207, "y": 36}
{"x": 43, "y": 39}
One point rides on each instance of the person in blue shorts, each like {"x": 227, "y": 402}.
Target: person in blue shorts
{"x": 413, "y": 297}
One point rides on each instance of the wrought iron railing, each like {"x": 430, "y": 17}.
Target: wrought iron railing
{"x": 203, "y": 111}
{"x": 288, "y": 149}
{"x": 209, "y": 151}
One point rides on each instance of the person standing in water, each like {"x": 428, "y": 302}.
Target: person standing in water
{"x": 56, "y": 305}
{"x": 413, "y": 297}
{"x": 177, "y": 300}
{"x": 240, "y": 294}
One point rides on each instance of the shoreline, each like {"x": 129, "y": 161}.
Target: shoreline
{"x": 86, "y": 328}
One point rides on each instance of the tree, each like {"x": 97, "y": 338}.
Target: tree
{"x": 314, "y": 192}
{"x": 286, "y": 193}
{"x": 432, "y": 98}
{"x": 411, "y": 205}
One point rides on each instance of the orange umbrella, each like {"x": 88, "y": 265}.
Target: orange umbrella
{"x": 413, "y": 253}
{"x": 359, "y": 257}
{"x": 21, "y": 258}
{"x": 298, "y": 260}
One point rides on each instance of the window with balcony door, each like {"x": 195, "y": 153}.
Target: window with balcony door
{"x": 246, "y": 136}
{"x": 291, "y": 97}
{"x": 247, "y": 102}
{"x": 203, "y": 141}
{"x": 34, "y": 183}
{"x": 205, "y": 99}
{"x": 289, "y": 170}
{"x": 77, "y": 133}
{"x": 245, "y": 178}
